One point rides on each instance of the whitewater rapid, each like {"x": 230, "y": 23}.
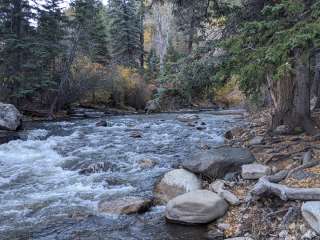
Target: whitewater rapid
{"x": 43, "y": 195}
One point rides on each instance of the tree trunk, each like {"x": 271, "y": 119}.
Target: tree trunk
{"x": 65, "y": 76}
{"x": 316, "y": 80}
{"x": 191, "y": 34}
{"x": 142, "y": 13}
{"x": 291, "y": 96}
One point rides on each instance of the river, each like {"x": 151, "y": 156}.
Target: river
{"x": 43, "y": 195}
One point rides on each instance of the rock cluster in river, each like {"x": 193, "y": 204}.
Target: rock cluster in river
{"x": 232, "y": 172}
{"x": 188, "y": 205}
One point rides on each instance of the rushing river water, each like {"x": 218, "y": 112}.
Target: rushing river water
{"x": 43, "y": 195}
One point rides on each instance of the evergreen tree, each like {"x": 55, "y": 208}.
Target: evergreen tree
{"x": 89, "y": 20}
{"x": 272, "y": 47}
{"x": 17, "y": 41}
{"x": 125, "y": 32}
{"x": 191, "y": 17}
{"x": 50, "y": 49}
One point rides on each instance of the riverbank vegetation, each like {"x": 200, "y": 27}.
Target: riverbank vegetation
{"x": 125, "y": 53}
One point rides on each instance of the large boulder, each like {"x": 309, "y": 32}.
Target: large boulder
{"x": 215, "y": 163}
{"x": 10, "y": 117}
{"x": 197, "y": 207}
{"x": 126, "y": 205}
{"x": 174, "y": 183}
{"x": 311, "y": 214}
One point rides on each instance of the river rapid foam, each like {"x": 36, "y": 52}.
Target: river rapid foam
{"x": 43, "y": 194}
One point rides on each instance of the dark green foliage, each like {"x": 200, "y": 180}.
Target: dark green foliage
{"x": 49, "y": 48}
{"x": 18, "y": 68}
{"x": 152, "y": 70}
{"x": 90, "y": 21}
{"x": 125, "y": 32}
{"x": 191, "y": 17}
{"x": 193, "y": 76}
{"x": 264, "y": 44}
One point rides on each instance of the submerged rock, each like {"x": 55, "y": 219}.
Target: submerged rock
{"x": 126, "y": 205}
{"x": 175, "y": 183}
{"x": 234, "y": 132}
{"x": 136, "y": 135}
{"x": 147, "y": 163}
{"x": 215, "y": 163}
{"x": 103, "y": 123}
{"x": 95, "y": 168}
{"x": 254, "y": 171}
{"x": 196, "y": 207}
{"x": 10, "y": 117}
{"x": 187, "y": 117}
{"x": 200, "y": 128}
{"x": 311, "y": 214}
{"x": 7, "y": 136}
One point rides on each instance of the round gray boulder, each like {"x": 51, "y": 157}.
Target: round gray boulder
{"x": 196, "y": 207}
{"x": 175, "y": 183}
{"x": 10, "y": 117}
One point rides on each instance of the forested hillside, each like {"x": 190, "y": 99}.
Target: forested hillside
{"x": 176, "y": 52}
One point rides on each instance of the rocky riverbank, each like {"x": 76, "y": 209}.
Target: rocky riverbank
{"x": 261, "y": 185}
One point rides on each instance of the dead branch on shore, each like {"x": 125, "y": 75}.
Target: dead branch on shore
{"x": 268, "y": 185}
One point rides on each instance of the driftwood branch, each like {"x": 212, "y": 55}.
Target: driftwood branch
{"x": 268, "y": 185}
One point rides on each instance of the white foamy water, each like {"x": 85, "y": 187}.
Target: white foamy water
{"x": 50, "y": 185}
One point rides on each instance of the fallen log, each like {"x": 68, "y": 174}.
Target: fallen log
{"x": 268, "y": 185}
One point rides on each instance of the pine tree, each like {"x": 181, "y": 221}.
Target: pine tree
{"x": 16, "y": 56}
{"x": 125, "y": 32}
{"x": 89, "y": 19}
{"x": 191, "y": 17}
{"x": 273, "y": 46}
{"x": 50, "y": 48}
